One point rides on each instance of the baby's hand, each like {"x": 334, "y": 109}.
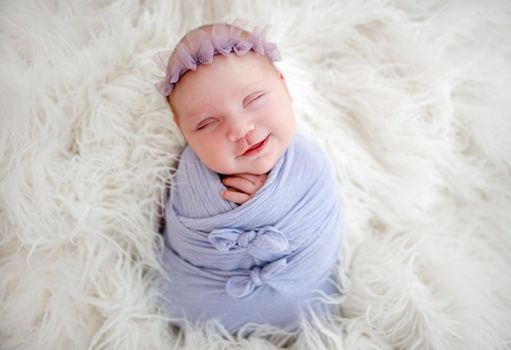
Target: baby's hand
{"x": 242, "y": 187}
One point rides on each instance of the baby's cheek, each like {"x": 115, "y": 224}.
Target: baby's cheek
{"x": 218, "y": 159}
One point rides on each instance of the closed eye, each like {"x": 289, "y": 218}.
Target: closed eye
{"x": 255, "y": 99}
{"x": 205, "y": 123}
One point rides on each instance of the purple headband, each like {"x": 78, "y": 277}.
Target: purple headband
{"x": 202, "y": 47}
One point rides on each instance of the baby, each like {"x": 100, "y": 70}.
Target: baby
{"x": 236, "y": 115}
{"x": 236, "y": 237}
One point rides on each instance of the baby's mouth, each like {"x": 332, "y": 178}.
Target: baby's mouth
{"x": 256, "y": 148}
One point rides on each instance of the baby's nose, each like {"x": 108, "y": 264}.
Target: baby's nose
{"x": 238, "y": 132}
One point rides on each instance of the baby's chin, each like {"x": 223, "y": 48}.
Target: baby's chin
{"x": 255, "y": 167}
{"x": 254, "y": 170}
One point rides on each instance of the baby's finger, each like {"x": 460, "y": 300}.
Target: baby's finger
{"x": 240, "y": 184}
{"x": 236, "y": 197}
{"x": 255, "y": 179}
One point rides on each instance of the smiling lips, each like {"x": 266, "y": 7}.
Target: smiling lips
{"x": 256, "y": 148}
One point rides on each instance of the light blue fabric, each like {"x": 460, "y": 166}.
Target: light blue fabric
{"x": 259, "y": 262}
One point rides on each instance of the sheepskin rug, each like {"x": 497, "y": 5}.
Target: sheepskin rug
{"x": 409, "y": 100}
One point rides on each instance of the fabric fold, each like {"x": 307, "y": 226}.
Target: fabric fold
{"x": 256, "y": 242}
{"x": 280, "y": 246}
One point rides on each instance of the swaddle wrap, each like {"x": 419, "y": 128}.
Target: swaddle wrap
{"x": 260, "y": 262}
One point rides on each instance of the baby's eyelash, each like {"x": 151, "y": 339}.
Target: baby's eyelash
{"x": 256, "y": 98}
{"x": 203, "y": 124}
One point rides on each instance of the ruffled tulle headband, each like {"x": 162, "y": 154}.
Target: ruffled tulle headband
{"x": 203, "y": 46}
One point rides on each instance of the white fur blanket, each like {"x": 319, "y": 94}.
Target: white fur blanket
{"x": 409, "y": 100}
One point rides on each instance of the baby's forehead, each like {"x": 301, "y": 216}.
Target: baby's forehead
{"x": 219, "y": 81}
{"x": 236, "y": 72}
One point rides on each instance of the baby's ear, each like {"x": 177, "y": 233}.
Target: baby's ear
{"x": 281, "y": 77}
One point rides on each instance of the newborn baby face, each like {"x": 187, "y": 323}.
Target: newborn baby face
{"x": 235, "y": 113}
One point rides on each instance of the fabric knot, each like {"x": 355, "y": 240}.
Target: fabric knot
{"x": 267, "y": 239}
{"x": 245, "y": 238}
{"x": 241, "y": 286}
{"x": 255, "y": 276}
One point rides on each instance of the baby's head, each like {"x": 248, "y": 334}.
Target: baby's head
{"x": 227, "y": 97}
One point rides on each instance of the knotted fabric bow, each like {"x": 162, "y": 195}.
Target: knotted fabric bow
{"x": 293, "y": 222}
{"x": 240, "y": 286}
{"x": 201, "y": 47}
{"x": 267, "y": 239}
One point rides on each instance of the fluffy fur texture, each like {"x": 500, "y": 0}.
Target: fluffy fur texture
{"x": 409, "y": 100}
